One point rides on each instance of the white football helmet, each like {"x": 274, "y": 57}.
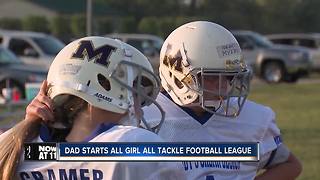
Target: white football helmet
{"x": 106, "y": 73}
{"x": 201, "y": 64}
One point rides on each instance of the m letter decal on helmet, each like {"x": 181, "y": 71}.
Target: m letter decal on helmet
{"x": 100, "y": 55}
{"x": 173, "y": 63}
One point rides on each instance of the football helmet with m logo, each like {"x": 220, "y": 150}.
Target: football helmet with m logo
{"x": 107, "y": 73}
{"x": 201, "y": 64}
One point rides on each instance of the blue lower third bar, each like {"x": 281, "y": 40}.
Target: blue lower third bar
{"x": 158, "y": 151}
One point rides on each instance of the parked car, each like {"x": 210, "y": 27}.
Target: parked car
{"x": 311, "y": 41}
{"x": 14, "y": 73}
{"x": 149, "y": 45}
{"x": 274, "y": 63}
{"x": 32, "y": 47}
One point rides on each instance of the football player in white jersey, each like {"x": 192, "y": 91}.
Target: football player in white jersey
{"x": 94, "y": 83}
{"x": 206, "y": 84}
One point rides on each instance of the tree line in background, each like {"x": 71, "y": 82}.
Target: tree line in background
{"x": 161, "y": 17}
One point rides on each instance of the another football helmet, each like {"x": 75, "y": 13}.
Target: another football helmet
{"x": 106, "y": 73}
{"x": 201, "y": 64}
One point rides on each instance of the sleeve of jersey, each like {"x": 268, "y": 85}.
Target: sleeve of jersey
{"x": 271, "y": 138}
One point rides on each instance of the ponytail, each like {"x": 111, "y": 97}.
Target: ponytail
{"x": 11, "y": 142}
{"x": 11, "y": 146}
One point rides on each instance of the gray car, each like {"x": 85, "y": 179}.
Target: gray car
{"x": 273, "y": 63}
{"x": 14, "y": 73}
{"x": 311, "y": 41}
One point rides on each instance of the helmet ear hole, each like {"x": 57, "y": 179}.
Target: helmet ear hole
{"x": 104, "y": 82}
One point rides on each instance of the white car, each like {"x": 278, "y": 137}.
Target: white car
{"x": 34, "y": 48}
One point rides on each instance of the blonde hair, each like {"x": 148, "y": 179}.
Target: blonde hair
{"x": 11, "y": 145}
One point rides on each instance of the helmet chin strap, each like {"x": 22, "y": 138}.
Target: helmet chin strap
{"x": 212, "y": 104}
{"x": 220, "y": 106}
{"x": 90, "y": 113}
{"x": 130, "y": 119}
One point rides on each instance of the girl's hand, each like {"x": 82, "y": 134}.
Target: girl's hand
{"x": 41, "y": 107}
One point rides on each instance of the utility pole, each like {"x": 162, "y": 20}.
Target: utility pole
{"x": 89, "y": 17}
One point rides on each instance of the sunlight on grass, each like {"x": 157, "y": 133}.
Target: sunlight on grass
{"x": 298, "y": 116}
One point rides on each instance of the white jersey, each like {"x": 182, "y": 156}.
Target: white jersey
{"x": 102, "y": 170}
{"x": 256, "y": 123}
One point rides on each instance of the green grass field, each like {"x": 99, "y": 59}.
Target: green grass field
{"x": 298, "y": 116}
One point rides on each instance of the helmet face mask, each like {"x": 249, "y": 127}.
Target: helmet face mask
{"x": 217, "y": 91}
{"x": 145, "y": 89}
{"x": 201, "y": 65}
{"x": 145, "y": 86}
{"x": 103, "y": 72}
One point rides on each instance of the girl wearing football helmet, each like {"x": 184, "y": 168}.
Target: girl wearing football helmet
{"x": 94, "y": 85}
{"x": 207, "y": 83}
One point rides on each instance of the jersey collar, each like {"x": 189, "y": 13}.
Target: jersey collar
{"x": 201, "y": 119}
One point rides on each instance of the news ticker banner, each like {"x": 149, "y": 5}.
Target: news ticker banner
{"x": 142, "y": 151}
